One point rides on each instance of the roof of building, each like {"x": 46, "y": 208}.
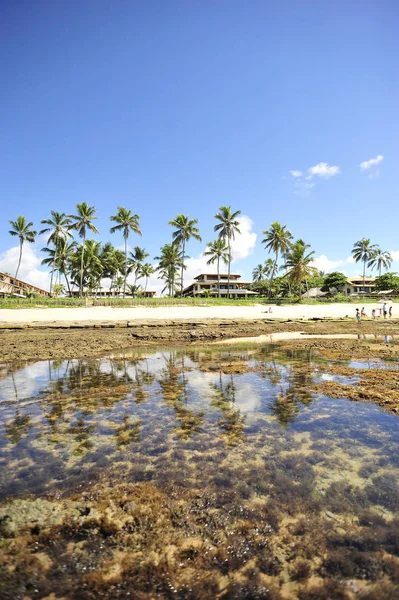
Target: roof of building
{"x": 232, "y": 275}
{"x": 360, "y": 278}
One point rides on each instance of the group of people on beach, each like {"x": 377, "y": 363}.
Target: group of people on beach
{"x": 387, "y": 312}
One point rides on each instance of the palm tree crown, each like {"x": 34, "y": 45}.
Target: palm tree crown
{"x": 185, "y": 229}
{"x": 126, "y": 222}
{"x": 227, "y": 227}
{"x": 380, "y": 259}
{"x": 362, "y": 251}
{"x": 21, "y": 228}
{"x": 81, "y": 222}
{"x": 278, "y": 240}
{"x": 58, "y": 227}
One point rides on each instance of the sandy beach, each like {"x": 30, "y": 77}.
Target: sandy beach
{"x": 173, "y": 313}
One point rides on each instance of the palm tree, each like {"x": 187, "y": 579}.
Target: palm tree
{"x": 25, "y": 233}
{"x": 64, "y": 257}
{"x": 277, "y": 239}
{"x": 298, "y": 264}
{"x": 82, "y": 222}
{"x": 126, "y": 222}
{"x": 258, "y": 274}
{"x": 363, "y": 251}
{"x": 170, "y": 261}
{"x": 113, "y": 261}
{"x": 380, "y": 259}
{"x": 146, "y": 270}
{"x": 227, "y": 228}
{"x": 58, "y": 228}
{"x": 185, "y": 229}
{"x": 90, "y": 269}
{"x": 133, "y": 289}
{"x": 137, "y": 258}
{"x": 217, "y": 250}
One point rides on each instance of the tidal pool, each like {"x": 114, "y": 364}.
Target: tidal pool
{"x": 195, "y": 473}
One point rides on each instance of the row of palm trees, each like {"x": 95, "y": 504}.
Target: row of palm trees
{"x": 298, "y": 260}
{"x": 85, "y": 264}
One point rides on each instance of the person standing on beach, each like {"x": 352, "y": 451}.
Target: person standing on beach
{"x": 373, "y": 313}
{"x": 358, "y": 317}
{"x": 384, "y": 310}
{"x": 363, "y": 313}
{"x": 390, "y": 312}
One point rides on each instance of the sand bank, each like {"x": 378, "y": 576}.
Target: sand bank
{"x": 109, "y": 314}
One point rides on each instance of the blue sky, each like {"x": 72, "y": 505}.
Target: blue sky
{"x": 183, "y": 106}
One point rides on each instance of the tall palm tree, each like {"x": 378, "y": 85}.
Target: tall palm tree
{"x": 136, "y": 260}
{"x": 65, "y": 254}
{"x": 362, "y": 251}
{"x": 91, "y": 268}
{"x": 113, "y": 261}
{"x": 217, "y": 251}
{"x": 380, "y": 259}
{"x": 298, "y": 264}
{"x": 146, "y": 270}
{"x": 227, "y": 228}
{"x": 170, "y": 261}
{"x": 21, "y": 228}
{"x": 81, "y": 222}
{"x": 58, "y": 228}
{"x": 126, "y": 222}
{"x": 185, "y": 229}
{"x": 278, "y": 240}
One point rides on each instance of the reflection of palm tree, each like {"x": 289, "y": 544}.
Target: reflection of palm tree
{"x": 233, "y": 423}
{"x": 174, "y": 391}
{"x": 285, "y": 408}
{"x": 127, "y": 432}
{"x": 20, "y": 425}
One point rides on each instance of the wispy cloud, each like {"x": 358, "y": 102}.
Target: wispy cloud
{"x": 372, "y": 162}
{"x": 305, "y": 181}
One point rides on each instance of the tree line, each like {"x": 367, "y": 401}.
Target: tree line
{"x": 83, "y": 262}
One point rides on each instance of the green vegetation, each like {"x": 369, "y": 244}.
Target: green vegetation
{"x": 84, "y": 266}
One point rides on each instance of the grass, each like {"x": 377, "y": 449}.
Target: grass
{"x": 153, "y": 302}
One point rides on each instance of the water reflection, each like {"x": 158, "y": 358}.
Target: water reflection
{"x": 221, "y": 461}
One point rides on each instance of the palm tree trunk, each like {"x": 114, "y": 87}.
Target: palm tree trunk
{"x": 81, "y": 266}
{"x": 218, "y": 277}
{"x": 272, "y": 275}
{"x": 228, "y": 273}
{"x": 124, "y": 283}
{"x": 182, "y": 267}
{"x": 19, "y": 264}
{"x": 51, "y": 279}
{"x": 146, "y": 283}
{"x": 364, "y": 276}
{"x": 67, "y": 282}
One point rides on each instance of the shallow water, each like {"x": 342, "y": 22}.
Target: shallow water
{"x": 234, "y": 439}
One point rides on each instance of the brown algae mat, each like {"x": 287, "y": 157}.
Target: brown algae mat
{"x": 200, "y": 473}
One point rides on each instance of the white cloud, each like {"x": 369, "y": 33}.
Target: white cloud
{"x": 28, "y": 271}
{"x": 324, "y": 170}
{"x": 395, "y": 255}
{"x": 372, "y": 162}
{"x": 322, "y": 263}
{"x": 296, "y": 173}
